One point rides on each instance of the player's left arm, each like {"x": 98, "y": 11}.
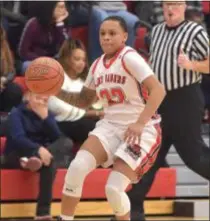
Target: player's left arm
{"x": 138, "y": 67}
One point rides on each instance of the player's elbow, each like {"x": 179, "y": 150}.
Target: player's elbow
{"x": 161, "y": 91}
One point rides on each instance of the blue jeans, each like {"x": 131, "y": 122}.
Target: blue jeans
{"x": 96, "y": 17}
{"x": 25, "y": 66}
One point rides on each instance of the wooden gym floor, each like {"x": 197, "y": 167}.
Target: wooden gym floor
{"x": 152, "y": 218}
{"x": 101, "y": 211}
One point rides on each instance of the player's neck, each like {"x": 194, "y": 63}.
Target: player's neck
{"x": 110, "y": 56}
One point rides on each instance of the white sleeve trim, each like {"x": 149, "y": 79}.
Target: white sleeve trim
{"x": 60, "y": 24}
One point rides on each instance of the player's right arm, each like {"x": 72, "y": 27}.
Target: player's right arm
{"x": 83, "y": 100}
{"x": 86, "y": 97}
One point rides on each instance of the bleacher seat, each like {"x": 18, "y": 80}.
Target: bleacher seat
{"x": 20, "y": 80}
{"x": 26, "y": 189}
{"x": 140, "y": 40}
{"x": 206, "y": 7}
{"x": 81, "y": 33}
{"x": 26, "y": 184}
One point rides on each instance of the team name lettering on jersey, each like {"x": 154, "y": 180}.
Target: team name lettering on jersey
{"x": 111, "y": 78}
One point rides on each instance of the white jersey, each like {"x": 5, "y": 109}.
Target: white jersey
{"x": 119, "y": 86}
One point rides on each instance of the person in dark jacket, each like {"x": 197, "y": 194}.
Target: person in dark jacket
{"x": 34, "y": 142}
{"x": 44, "y": 33}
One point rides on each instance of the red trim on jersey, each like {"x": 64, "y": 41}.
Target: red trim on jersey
{"x": 95, "y": 65}
{"x": 150, "y": 158}
{"x": 112, "y": 60}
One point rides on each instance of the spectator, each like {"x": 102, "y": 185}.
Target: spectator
{"x": 74, "y": 122}
{"x": 43, "y": 34}
{"x": 14, "y": 17}
{"x": 10, "y": 93}
{"x": 158, "y": 17}
{"x": 99, "y": 12}
{"x": 34, "y": 142}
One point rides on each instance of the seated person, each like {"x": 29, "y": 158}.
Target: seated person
{"x": 34, "y": 142}
{"x": 10, "y": 93}
{"x": 74, "y": 122}
{"x": 43, "y": 34}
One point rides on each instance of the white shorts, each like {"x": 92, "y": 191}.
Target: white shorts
{"x": 139, "y": 157}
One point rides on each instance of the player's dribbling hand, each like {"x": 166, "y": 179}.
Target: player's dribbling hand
{"x": 45, "y": 156}
{"x": 133, "y": 133}
{"x": 184, "y": 61}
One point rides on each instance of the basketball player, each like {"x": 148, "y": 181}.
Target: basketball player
{"x": 128, "y": 136}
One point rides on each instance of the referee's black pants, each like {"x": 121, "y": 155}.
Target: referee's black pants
{"x": 181, "y": 112}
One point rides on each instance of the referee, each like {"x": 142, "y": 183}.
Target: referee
{"x": 179, "y": 54}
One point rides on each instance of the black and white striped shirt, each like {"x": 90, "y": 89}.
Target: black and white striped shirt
{"x": 166, "y": 44}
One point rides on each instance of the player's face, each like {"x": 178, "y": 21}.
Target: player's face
{"x": 77, "y": 61}
{"x": 174, "y": 12}
{"x": 112, "y": 37}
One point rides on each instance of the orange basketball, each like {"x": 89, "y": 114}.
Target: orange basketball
{"x": 44, "y": 76}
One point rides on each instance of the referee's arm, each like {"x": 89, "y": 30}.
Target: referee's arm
{"x": 201, "y": 66}
{"x": 201, "y": 44}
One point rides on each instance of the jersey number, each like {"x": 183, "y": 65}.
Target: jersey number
{"x": 113, "y": 95}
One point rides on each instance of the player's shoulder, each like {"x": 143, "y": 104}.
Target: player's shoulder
{"x": 130, "y": 53}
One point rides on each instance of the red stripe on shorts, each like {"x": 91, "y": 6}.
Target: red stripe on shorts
{"x": 150, "y": 158}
